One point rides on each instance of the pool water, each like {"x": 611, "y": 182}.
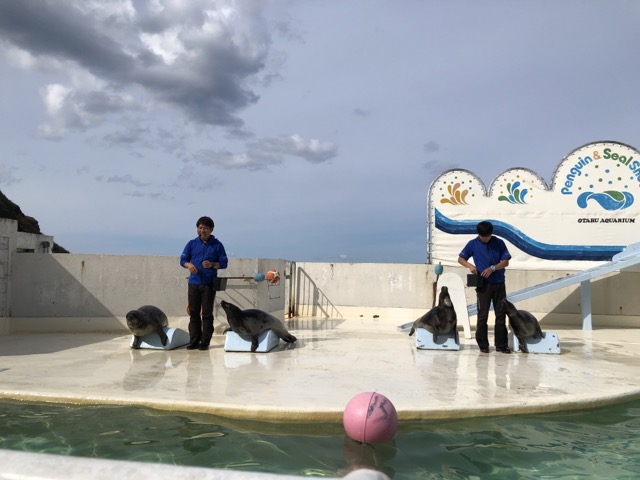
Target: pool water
{"x": 600, "y": 443}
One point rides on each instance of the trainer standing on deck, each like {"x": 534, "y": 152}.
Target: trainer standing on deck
{"x": 202, "y": 256}
{"x": 491, "y": 257}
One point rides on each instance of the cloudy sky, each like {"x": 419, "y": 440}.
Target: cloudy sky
{"x": 308, "y": 130}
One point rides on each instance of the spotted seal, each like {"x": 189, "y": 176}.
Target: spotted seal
{"x": 253, "y": 322}
{"x": 522, "y": 323}
{"x": 145, "y": 320}
{"x": 440, "y": 319}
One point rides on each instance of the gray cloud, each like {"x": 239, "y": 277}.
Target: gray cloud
{"x": 431, "y": 147}
{"x": 7, "y": 177}
{"x": 314, "y": 151}
{"x": 436, "y": 167}
{"x": 152, "y": 195}
{"x": 78, "y": 110}
{"x": 196, "y": 56}
{"x": 195, "y": 179}
{"x": 361, "y": 113}
{"x": 130, "y": 136}
{"x": 228, "y": 160}
{"x": 267, "y": 152}
{"x": 156, "y": 138}
{"x": 127, "y": 179}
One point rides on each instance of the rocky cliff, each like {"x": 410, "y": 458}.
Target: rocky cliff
{"x": 26, "y": 224}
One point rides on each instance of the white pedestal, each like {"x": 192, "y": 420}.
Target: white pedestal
{"x": 175, "y": 338}
{"x": 233, "y": 342}
{"x": 549, "y": 344}
{"x": 424, "y": 340}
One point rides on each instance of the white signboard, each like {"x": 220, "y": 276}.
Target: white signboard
{"x": 590, "y": 212}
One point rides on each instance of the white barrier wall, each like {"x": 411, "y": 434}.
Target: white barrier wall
{"x": 405, "y": 292}
{"x": 77, "y": 292}
{"x": 73, "y": 292}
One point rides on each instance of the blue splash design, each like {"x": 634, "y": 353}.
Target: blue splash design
{"x": 610, "y": 200}
{"x": 527, "y": 244}
{"x": 516, "y": 196}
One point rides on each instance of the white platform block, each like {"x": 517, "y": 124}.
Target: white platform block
{"x": 267, "y": 340}
{"x": 424, "y": 340}
{"x": 549, "y": 344}
{"x": 175, "y": 338}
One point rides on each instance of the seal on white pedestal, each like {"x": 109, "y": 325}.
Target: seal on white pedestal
{"x": 253, "y": 322}
{"x": 145, "y": 320}
{"x": 440, "y": 319}
{"x": 523, "y": 324}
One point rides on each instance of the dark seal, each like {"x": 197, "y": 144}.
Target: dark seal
{"x": 440, "y": 319}
{"x": 522, "y": 323}
{"x": 253, "y": 322}
{"x": 145, "y": 320}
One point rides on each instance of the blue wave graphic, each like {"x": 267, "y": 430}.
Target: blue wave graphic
{"x": 527, "y": 244}
{"x": 611, "y": 200}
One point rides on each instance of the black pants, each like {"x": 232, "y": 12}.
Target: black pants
{"x": 491, "y": 292}
{"x": 201, "y": 299}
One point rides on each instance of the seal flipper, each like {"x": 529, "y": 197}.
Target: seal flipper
{"x": 523, "y": 345}
{"x": 136, "y": 342}
{"x": 288, "y": 337}
{"x": 254, "y": 343}
{"x": 538, "y": 331}
{"x": 163, "y": 336}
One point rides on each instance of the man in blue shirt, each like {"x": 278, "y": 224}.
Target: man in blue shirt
{"x": 491, "y": 257}
{"x": 202, "y": 256}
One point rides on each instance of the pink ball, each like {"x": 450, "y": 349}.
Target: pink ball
{"x": 370, "y": 417}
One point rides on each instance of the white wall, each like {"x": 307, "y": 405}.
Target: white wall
{"x": 94, "y": 292}
{"x": 405, "y": 292}
{"x": 74, "y": 292}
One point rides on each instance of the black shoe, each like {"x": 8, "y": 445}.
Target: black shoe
{"x": 193, "y": 345}
{"x": 484, "y": 350}
{"x": 203, "y": 347}
{"x": 503, "y": 350}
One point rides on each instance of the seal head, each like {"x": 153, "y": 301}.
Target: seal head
{"x": 145, "y": 320}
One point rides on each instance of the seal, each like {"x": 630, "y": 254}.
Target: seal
{"x": 253, "y": 322}
{"x": 145, "y": 320}
{"x": 522, "y": 323}
{"x": 440, "y": 319}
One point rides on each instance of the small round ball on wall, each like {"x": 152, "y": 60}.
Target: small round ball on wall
{"x": 273, "y": 276}
{"x": 370, "y": 417}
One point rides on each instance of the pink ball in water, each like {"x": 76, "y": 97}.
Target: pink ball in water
{"x": 370, "y": 417}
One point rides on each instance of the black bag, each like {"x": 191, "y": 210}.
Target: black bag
{"x": 475, "y": 280}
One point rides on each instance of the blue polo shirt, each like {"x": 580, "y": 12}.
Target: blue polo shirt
{"x": 487, "y": 254}
{"x": 196, "y": 251}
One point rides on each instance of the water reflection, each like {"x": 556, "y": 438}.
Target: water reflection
{"x": 147, "y": 368}
{"x": 199, "y": 374}
{"x": 601, "y": 442}
{"x": 359, "y": 455}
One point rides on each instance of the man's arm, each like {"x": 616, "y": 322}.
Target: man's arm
{"x": 465, "y": 263}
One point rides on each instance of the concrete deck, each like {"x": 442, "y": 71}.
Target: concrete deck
{"x": 314, "y": 379}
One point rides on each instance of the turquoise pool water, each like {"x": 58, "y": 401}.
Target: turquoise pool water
{"x": 601, "y": 443}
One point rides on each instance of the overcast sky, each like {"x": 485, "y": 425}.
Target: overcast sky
{"x": 308, "y": 130}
